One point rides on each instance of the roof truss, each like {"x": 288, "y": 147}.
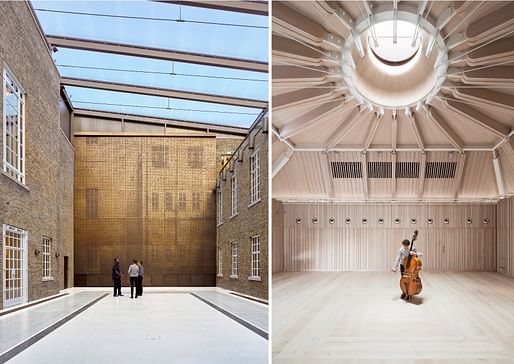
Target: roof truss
{"x": 157, "y": 53}
{"x": 248, "y": 7}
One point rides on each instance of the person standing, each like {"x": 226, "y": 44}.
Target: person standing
{"x": 133, "y": 273}
{"x": 116, "y": 277}
{"x": 140, "y": 276}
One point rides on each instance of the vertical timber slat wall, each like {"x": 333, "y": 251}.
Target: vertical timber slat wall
{"x": 505, "y": 236}
{"x": 278, "y": 235}
{"x": 148, "y": 198}
{"x": 372, "y": 246}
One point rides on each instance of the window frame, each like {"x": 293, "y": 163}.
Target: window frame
{"x": 234, "y": 195}
{"x": 46, "y": 252}
{"x": 220, "y": 262}
{"x": 15, "y": 173}
{"x": 234, "y": 268}
{"x": 219, "y": 210}
{"x": 255, "y": 178}
{"x": 255, "y": 264}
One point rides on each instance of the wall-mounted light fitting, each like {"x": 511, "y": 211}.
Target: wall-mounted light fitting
{"x": 430, "y": 221}
{"x": 380, "y": 221}
{"x": 37, "y": 252}
{"x": 299, "y": 220}
{"x": 469, "y": 221}
{"x": 347, "y": 220}
{"x": 315, "y": 220}
{"x": 397, "y": 221}
{"x": 364, "y": 221}
{"x": 57, "y": 254}
{"x": 413, "y": 221}
{"x": 486, "y": 221}
{"x": 331, "y": 220}
{"x": 446, "y": 220}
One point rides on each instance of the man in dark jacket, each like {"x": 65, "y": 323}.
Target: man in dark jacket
{"x": 116, "y": 277}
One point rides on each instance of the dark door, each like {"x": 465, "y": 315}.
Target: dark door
{"x": 66, "y": 272}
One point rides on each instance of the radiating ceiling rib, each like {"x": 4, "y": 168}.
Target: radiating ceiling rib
{"x": 498, "y": 174}
{"x": 289, "y": 23}
{"x": 450, "y": 134}
{"x": 372, "y": 130}
{"x": 247, "y": 7}
{"x": 493, "y": 53}
{"x": 485, "y": 97}
{"x": 477, "y": 117}
{"x": 497, "y": 75}
{"x": 287, "y": 50}
{"x": 311, "y": 119}
{"x": 416, "y": 131}
{"x": 364, "y": 167}
{"x": 156, "y": 53}
{"x": 154, "y": 91}
{"x": 281, "y": 161}
{"x": 345, "y": 126}
{"x": 304, "y": 98}
{"x": 496, "y": 23}
{"x": 458, "y": 175}
{"x": 394, "y": 131}
{"x": 161, "y": 121}
{"x": 421, "y": 182}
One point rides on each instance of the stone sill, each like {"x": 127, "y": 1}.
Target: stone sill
{"x": 253, "y": 278}
{"x": 233, "y": 276}
{"x": 254, "y": 203}
{"x": 231, "y": 217}
{"x": 48, "y": 279}
{"x": 219, "y": 275}
{"x": 15, "y": 181}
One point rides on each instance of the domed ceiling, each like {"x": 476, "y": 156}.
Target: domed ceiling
{"x": 403, "y": 100}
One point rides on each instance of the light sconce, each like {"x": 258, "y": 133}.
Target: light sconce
{"x": 331, "y": 220}
{"x": 347, "y": 221}
{"x": 315, "y": 220}
{"x": 446, "y": 221}
{"x": 486, "y": 221}
{"x": 380, "y": 221}
{"x": 397, "y": 221}
{"x": 37, "y": 252}
{"x": 299, "y": 220}
{"x": 413, "y": 221}
{"x": 57, "y": 254}
{"x": 469, "y": 221}
{"x": 430, "y": 221}
{"x": 364, "y": 221}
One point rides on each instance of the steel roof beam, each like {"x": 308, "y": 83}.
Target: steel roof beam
{"x": 157, "y": 53}
{"x": 161, "y": 92}
{"x": 247, "y": 7}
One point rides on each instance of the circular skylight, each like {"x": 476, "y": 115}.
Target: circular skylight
{"x": 391, "y": 51}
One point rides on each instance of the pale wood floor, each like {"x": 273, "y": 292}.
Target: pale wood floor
{"x": 353, "y": 317}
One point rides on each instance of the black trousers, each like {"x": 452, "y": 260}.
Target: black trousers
{"x": 139, "y": 286}
{"x": 117, "y": 286}
{"x": 402, "y": 269}
{"x": 133, "y": 284}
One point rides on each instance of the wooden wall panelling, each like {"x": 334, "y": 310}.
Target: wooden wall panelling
{"x": 505, "y": 236}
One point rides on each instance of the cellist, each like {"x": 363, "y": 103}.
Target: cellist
{"x": 403, "y": 253}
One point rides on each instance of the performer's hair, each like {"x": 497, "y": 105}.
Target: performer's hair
{"x": 405, "y": 242}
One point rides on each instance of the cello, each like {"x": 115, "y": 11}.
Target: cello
{"x": 410, "y": 282}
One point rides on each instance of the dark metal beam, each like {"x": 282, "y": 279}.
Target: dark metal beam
{"x": 162, "y": 92}
{"x": 157, "y": 53}
{"x": 213, "y": 128}
{"x": 248, "y": 7}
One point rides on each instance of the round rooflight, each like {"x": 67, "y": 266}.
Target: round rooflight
{"x": 393, "y": 52}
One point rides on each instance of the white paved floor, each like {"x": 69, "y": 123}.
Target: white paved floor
{"x": 155, "y": 328}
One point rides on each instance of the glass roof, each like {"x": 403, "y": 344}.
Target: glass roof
{"x": 154, "y": 24}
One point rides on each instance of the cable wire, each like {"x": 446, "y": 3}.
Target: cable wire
{"x": 160, "y": 107}
{"x": 160, "y": 73}
{"x": 180, "y": 20}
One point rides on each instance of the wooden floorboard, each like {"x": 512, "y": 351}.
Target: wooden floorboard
{"x": 358, "y": 317}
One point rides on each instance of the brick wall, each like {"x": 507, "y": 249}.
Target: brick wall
{"x": 250, "y": 220}
{"x": 37, "y": 207}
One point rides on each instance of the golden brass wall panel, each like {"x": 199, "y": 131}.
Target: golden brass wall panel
{"x": 147, "y": 198}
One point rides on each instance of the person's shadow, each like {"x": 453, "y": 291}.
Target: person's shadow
{"x": 415, "y": 300}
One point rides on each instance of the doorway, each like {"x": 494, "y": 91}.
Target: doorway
{"x": 14, "y": 248}
{"x": 66, "y": 259}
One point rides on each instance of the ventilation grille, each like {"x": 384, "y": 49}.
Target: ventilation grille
{"x": 346, "y": 169}
{"x": 380, "y": 169}
{"x": 440, "y": 169}
{"x": 407, "y": 169}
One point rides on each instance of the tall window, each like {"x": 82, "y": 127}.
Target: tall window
{"x": 47, "y": 247}
{"x": 234, "y": 260}
{"x": 220, "y": 262}
{"x": 256, "y": 256}
{"x": 233, "y": 180}
{"x": 255, "y": 178}
{"x": 220, "y": 206}
{"x": 14, "y": 265}
{"x": 14, "y": 128}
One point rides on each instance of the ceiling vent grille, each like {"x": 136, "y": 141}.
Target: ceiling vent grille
{"x": 380, "y": 169}
{"x": 346, "y": 169}
{"x": 407, "y": 169}
{"x": 440, "y": 169}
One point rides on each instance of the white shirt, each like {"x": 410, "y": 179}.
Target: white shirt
{"x": 402, "y": 254}
{"x": 133, "y": 270}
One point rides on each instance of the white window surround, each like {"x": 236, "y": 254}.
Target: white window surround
{"x": 234, "y": 267}
{"x": 14, "y": 266}
{"x": 14, "y": 147}
{"x": 233, "y": 188}
{"x": 255, "y": 258}
{"x": 220, "y": 207}
{"x": 46, "y": 255}
{"x": 255, "y": 178}
{"x": 220, "y": 263}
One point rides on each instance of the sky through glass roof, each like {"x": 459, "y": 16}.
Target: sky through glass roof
{"x": 249, "y": 41}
